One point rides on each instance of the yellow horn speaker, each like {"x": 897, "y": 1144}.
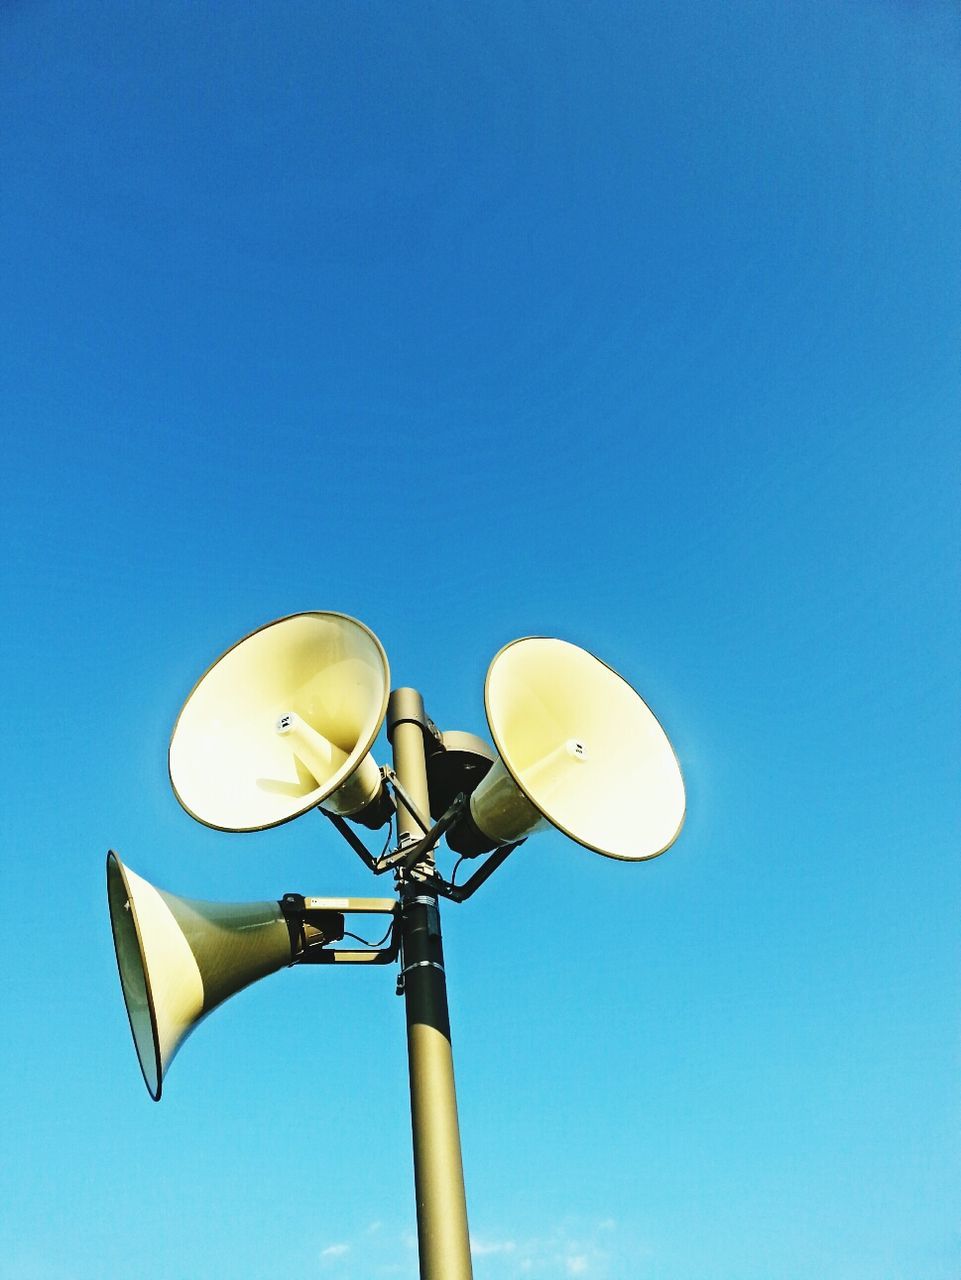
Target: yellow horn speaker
{"x": 282, "y": 722}
{"x": 179, "y": 958}
{"x": 579, "y": 750}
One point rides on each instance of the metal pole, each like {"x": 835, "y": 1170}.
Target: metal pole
{"x": 442, "y": 1238}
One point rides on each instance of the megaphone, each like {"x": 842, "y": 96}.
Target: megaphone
{"x": 283, "y": 722}
{"x": 179, "y": 958}
{"x": 578, "y": 749}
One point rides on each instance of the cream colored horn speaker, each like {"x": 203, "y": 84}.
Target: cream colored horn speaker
{"x": 579, "y": 750}
{"x": 179, "y": 958}
{"x": 282, "y": 722}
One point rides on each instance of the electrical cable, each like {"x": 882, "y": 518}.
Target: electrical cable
{"x": 366, "y": 941}
{"x": 387, "y": 843}
{"x": 390, "y": 836}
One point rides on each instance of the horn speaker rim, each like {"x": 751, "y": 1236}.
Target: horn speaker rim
{"x": 355, "y": 755}
{"x": 504, "y": 754}
{"x": 114, "y": 857}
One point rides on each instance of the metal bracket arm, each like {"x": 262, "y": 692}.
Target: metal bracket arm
{"x": 409, "y": 855}
{"x": 390, "y": 776}
{"x": 316, "y": 922}
{"x": 461, "y": 892}
{"x": 355, "y": 842}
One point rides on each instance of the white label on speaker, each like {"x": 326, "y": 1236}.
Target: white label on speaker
{"x": 327, "y": 904}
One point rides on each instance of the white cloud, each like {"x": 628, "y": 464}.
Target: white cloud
{"x": 574, "y": 1248}
{"x": 335, "y": 1251}
{"x": 480, "y": 1248}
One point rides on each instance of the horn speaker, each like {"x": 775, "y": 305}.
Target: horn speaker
{"x": 282, "y": 722}
{"x": 578, "y": 749}
{"x": 179, "y": 958}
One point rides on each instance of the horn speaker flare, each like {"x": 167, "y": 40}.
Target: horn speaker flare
{"x": 179, "y": 958}
{"x": 578, "y": 749}
{"x": 282, "y": 722}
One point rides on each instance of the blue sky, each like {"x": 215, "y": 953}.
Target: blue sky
{"x": 633, "y": 324}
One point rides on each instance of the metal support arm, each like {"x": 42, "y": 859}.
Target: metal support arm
{"x": 461, "y": 892}
{"x": 316, "y": 922}
{"x": 355, "y": 842}
{"x": 390, "y": 776}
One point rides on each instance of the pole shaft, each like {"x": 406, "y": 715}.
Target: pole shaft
{"x": 442, "y": 1235}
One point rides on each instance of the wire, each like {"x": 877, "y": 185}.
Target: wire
{"x": 453, "y": 874}
{"x": 390, "y": 837}
{"x": 366, "y": 941}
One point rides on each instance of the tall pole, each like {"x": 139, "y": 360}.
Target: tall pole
{"x": 442, "y": 1238}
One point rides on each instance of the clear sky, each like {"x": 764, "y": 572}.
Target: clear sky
{"x": 634, "y": 324}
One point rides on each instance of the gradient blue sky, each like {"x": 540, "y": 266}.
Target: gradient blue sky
{"x": 630, "y": 323}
